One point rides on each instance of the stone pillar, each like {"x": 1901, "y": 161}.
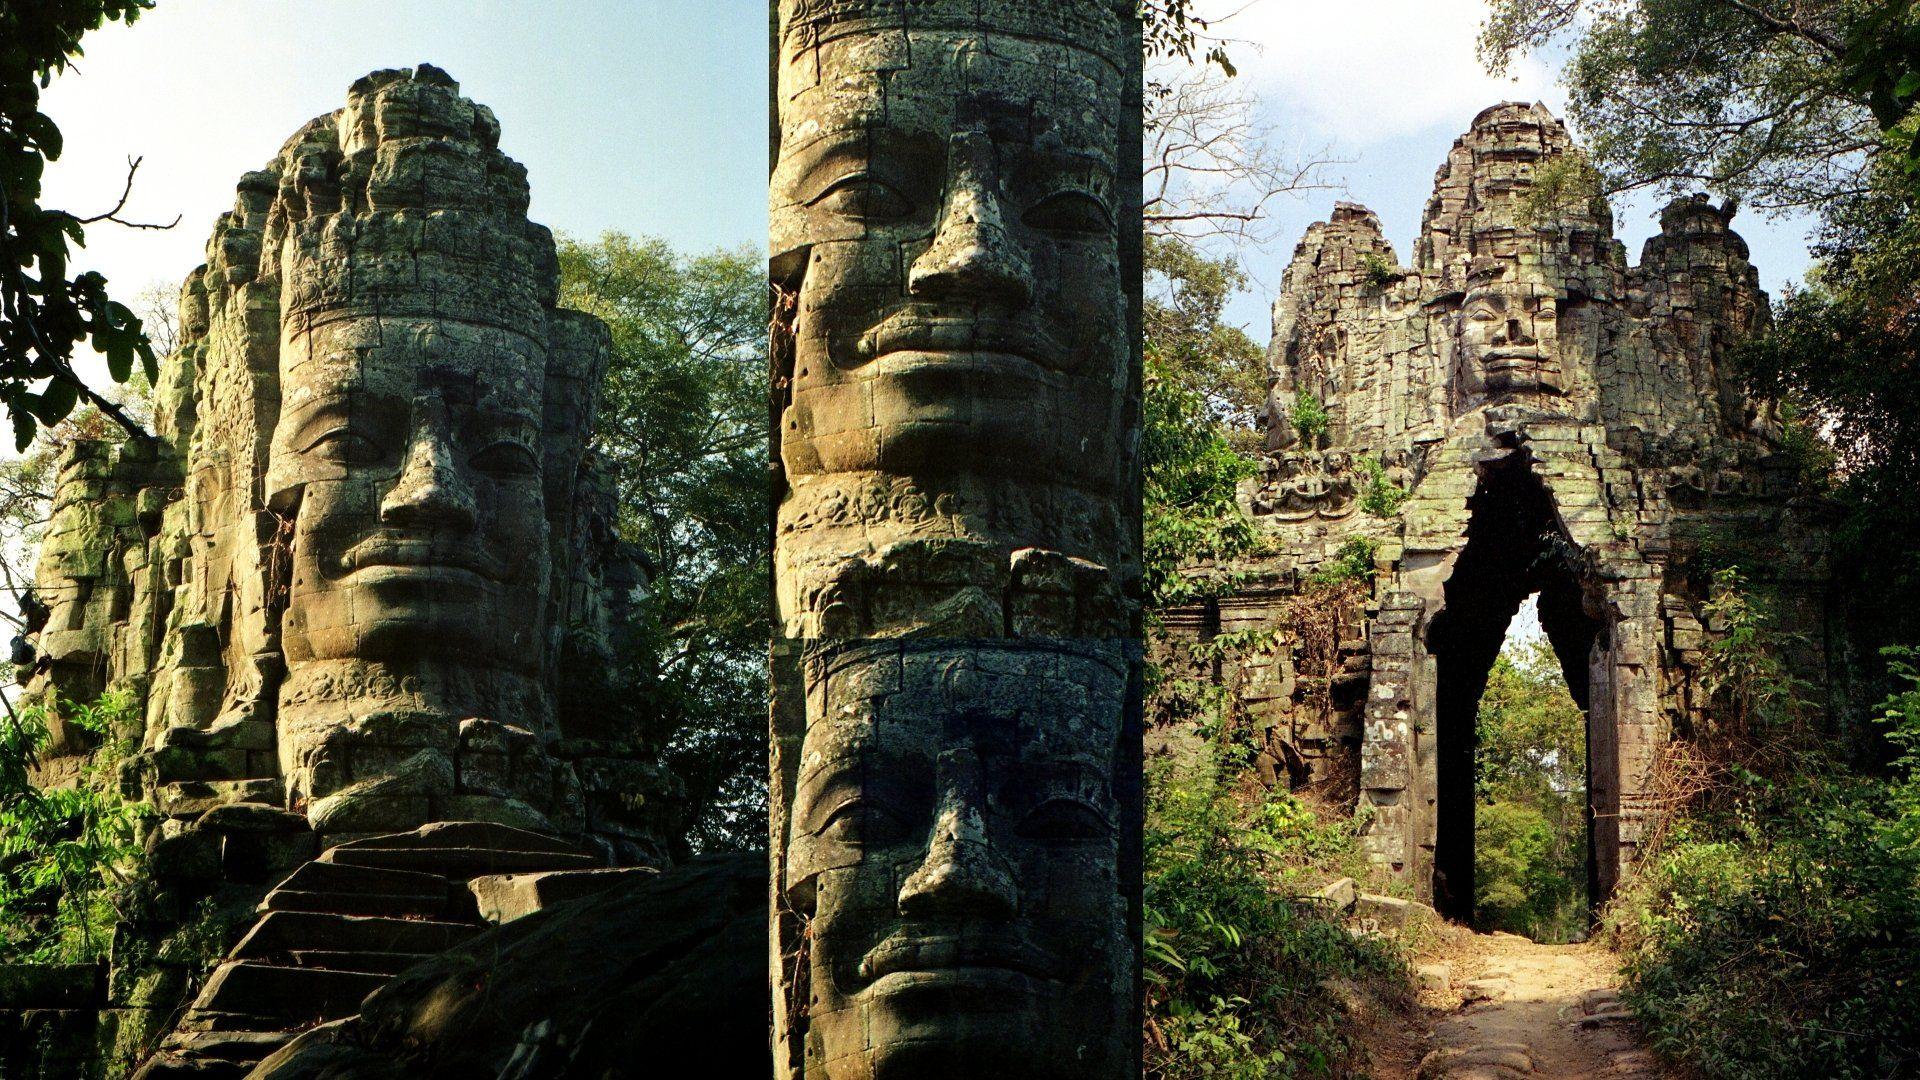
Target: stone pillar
{"x": 955, "y": 748}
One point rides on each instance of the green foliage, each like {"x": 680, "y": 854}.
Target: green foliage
{"x": 1235, "y": 965}
{"x": 1751, "y": 98}
{"x": 1568, "y": 183}
{"x": 1308, "y": 417}
{"x": 65, "y": 852}
{"x": 1190, "y": 477}
{"x": 1753, "y": 691}
{"x": 1775, "y": 931}
{"x": 1170, "y": 28}
{"x": 1353, "y": 562}
{"x": 1379, "y": 270}
{"x": 1530, "y": 827}
{"x": 1380, "y": 497}
{"x": 1186, "y": 294}
{"x": 683, "y": 429}
{"x": 44, "y": 312}
{"x": 1780, "y": 938}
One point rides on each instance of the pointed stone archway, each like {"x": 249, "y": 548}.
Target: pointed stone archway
{"x": 1516, "y": 547}
{"x": 1520, "y": 410}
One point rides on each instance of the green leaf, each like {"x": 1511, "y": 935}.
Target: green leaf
{"x": 23, "y": 428}
{"x": 58, "y": 400}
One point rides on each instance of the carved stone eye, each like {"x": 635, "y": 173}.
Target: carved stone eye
{"x": 864, "y": 197}
{"x": 345, "y": 446}
{"x": 862, "y": 822}
{"x": 1064, "y": 820}
{"x": 506, "y": 458}
{"x": 1069, "y": 212}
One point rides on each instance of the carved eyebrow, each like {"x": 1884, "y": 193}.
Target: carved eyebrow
{"x": 827, "y": 792}
{"x": 356, "y": 408}
{"x": 847, "y": 151}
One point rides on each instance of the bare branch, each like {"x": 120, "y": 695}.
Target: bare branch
{"x": 113, "y": 215}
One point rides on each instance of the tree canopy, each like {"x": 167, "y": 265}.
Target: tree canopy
{"x": 683, "y": 430}
{"x": 46, "y": 311}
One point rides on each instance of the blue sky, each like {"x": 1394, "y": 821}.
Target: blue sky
{"x": 647, "y": 116}
{"x": 1387, "y": 86}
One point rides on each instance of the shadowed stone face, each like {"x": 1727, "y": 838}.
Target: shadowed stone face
{"x": 413, "y": 447}
{"x": 953, "y": 843}
{"x": 948, "y": 211}
{"x": 1505, "y": 342}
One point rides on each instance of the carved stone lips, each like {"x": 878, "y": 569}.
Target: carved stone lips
{"x": 957, "y": 954}
{"x": 1514, "y": 357}
{"x": 919, "y": 333}
{"x": 418, "y": 554}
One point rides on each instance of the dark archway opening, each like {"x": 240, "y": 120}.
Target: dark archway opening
{"x": 1515, "y": 548}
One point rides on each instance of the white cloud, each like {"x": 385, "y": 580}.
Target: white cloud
{"x": 1360, "y": 71}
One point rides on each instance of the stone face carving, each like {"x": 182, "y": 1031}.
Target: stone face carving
{"x": 948, "y": 196}
{"x": 1564, "y": 424}
{"x": 954, "y": 849}
{"x": 955, "y": 772}
{"x": 373, "y": 542}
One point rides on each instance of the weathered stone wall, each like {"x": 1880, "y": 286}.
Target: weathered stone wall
{"x": 955, "y": 776}
{"x": 366, "y": 577}
{"x": 1560, "y": 423}
{"x": 382, "y": 263}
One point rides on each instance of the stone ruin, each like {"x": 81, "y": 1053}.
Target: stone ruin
{"x": 955, "y": 782}
{"x": 1517, "y": 412}
{"x": 364, "y": 585}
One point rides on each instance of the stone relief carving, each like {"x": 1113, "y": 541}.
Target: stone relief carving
{"x": 1526, "y": 387}
{"x": 955, "y": 215}
{"x": 372, "y": 539}
{"x": 947, "y": 202}
{"x": 954, "y": 847}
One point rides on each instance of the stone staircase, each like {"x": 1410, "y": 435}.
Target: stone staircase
{"x": 337, "y": 929}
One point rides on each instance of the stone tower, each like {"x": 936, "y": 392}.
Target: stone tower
{"x": 1560, "y": 423}
{"x": 955, "y": 776}
{"x": 369, "y": 540}
{"x": 365, "y": 581}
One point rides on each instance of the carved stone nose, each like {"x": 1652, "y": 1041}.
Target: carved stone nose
{"x": 961, "y": 876}
{"x": 972, "y": 257}
{"x": 430, "y": 493}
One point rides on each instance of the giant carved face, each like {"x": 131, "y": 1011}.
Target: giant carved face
{"x": 953, "y": 843}
{"x": 946, "y": 211}
{"x": 410, "y": 448}
{"x": 1505, "y": 342}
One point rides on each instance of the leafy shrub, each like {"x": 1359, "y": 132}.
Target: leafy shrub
{"x": 1353, "y": 562}
{"x": 1778, "y": 935}
{"x": 1235, "y": 964}
{"x": 1191, "y": 474}
{"x": 64, "y": 852}
{"x": 1380, "y": 271}
{"x": 1381, "y": 497}
{"x": 1309, "y": 417}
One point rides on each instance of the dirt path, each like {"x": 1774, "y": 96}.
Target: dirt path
{"x": 1506, "y": 1007}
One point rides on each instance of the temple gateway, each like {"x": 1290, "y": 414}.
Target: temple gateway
{"x": 1520, "y": 412}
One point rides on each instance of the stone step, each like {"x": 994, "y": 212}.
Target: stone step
{"x": 288, "y": 994}
{"x": 467, "y": 834}
{"x": 167, "y": 1066}
{"x": 279, "y": 932}
{"x": 348, "y": 903}
{"x": 226, "y": 1045}
{"x": 378, "y": 963}
{"x": 192, "y": 798}
{"x": 505, "y": 897}
{"x": 460, "y": 863}
{"x": 347, "y": 878}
